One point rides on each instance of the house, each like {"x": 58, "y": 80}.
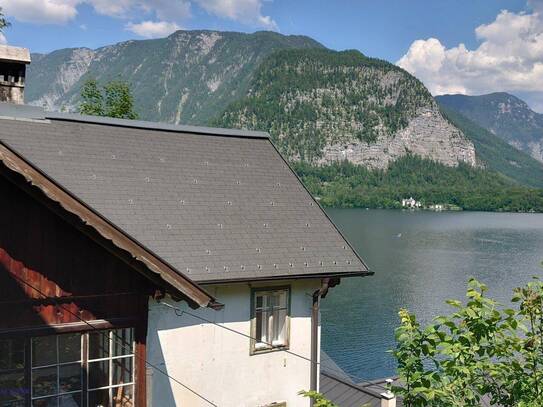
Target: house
{"x": 411, "y": 203}
{"x": 146, "y": 264}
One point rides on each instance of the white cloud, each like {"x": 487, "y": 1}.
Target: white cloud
{"x": 41, "y": 11}
{"x": 3, "y": 39}
{"x": 244, "y": 11}
{"x": 165, "y": 12}
{"x": 509, "y": 57}
{"x": 62, "y": 11}
{"x": 168, "y": 10}
{"x": 153, "y": 29}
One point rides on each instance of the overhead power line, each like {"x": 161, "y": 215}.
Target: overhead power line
{"x": 123, "y": 343}
{"x": 179, "y": 312}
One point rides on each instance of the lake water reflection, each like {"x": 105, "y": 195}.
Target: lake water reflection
{"x": 420, "y": 259}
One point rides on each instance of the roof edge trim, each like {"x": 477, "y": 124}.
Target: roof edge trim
{"x": 35, "y": 177}
{"x": 141, "y": 124}
{"x": 344, "y": 274}
{"x": 322, "y": 209}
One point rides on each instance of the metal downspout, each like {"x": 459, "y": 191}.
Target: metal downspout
{"x": 321, "y": 292}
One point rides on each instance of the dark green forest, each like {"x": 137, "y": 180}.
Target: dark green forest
{"x": 350, "y": 186}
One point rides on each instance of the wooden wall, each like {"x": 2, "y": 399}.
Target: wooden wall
{"x": 80, "y": 278}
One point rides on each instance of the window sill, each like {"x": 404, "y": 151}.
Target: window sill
{"x": 255, "y": 351}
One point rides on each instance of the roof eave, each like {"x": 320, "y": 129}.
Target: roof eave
{"x": 283, "y": 277}
{"x": 185, "y": 286}
{"x": 146, "y": 125}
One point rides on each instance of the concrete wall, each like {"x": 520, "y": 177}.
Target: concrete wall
{"x": 216, "y": 363}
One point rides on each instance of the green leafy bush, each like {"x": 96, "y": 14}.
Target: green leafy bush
{"x": 480, "y": 350}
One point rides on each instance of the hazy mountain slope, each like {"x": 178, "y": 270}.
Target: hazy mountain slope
{"x": 498, "y": 155}
{"x": 504, "y": 115}
{"x": 187, "y": 77}
{"x": 323, "y": 106}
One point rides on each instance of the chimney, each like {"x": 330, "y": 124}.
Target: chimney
{"x": 13, "y": 61}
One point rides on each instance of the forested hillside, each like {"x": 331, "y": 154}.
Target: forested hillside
{"x": 347, "y": 185}
{"x": 505, "y": 116}
{"x": 498, "y": 155}
{"x": 187, "y": 77}
{"x": 322, "y": 106}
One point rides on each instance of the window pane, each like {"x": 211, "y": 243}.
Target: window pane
{"x": 123, "y": 396}
{"x": 12, "y": 387}
{"x": 99, "y": 345}
{"x": 122, "y": 370}
{"x": 70, "y": 377}
{"x": 46, "y": 402}
{"x": 98, "y": 374}
{"x": 282, "y": 301}
{"x": 122, "y": 342}
{"x": 259, "y": 301}
{"x": 279, "y": 333}
{"x": 12, "y": 354}
{"x": 258, "y": 321}
{"x": 99, "y": 398}
{"x": 44, "y": 351}
{"x": 70, "y": 400}
{"x": 44, "y": 381}
{"x": 69, "y": 348}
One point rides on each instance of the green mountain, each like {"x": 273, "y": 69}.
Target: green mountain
{"x": 323, "y": 106}
{"x": 358, "y": 130}
{"x": 498, "y": 155}
{"x": 187, "y": 77}
{"x": 343, "y": 184}
{"x": 504, "y": 115}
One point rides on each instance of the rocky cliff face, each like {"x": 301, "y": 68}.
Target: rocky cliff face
{"x": 323, "y": 106}
{"x": 319, "y": 105}
{"x": 187, "y": 77}
{"x": 504, "y": 115}
{"x": 427, "y": 135}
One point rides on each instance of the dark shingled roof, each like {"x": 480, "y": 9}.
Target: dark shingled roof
{"x": 336, "y": 386}
{"x": 217, "y": 205}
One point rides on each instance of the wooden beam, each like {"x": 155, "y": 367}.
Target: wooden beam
{"x": 137, "y": 252}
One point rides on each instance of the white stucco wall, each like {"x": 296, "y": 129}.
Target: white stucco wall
{"x": 217, "y": 364}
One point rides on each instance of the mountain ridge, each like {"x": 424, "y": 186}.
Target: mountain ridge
{"x": 183, "y": 78}
{"x": 323, "y": 106}
{"x": 504, "y": 115}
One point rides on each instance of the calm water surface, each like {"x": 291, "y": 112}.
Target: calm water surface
{"x": 420, "y": 259}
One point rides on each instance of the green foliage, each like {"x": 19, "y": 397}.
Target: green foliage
{"x": 497, "y": 154}
{"x": 351, "y": 186}
{"x": 318, "y": 399}
{"x": 113, "y": 100}
{"x": 173, "y": 79}
{"x": 307, "y": 98}
{"x": 4, "y": 23}
{"x": 480, "y": 350}
{"x": 92, "y": 99}
{"x": 119, "y": 101}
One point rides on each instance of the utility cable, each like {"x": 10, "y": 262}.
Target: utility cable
{"x": 179, "y": 312}
{"x": 122, "y": 341}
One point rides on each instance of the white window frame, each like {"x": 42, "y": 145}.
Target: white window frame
{"x": 112, "y": 340}
{"x": 270, "y": 345}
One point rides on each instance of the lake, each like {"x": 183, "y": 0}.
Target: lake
{"x": 420, "y": 259}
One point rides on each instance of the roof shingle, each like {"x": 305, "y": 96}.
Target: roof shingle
{"x": 215, "y": 207}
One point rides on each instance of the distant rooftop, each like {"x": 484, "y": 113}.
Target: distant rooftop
{"x": 216, "y": 204}
{"x": 14, "y": 54}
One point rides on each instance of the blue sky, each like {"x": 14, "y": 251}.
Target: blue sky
{"x": 425, "y": 37}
